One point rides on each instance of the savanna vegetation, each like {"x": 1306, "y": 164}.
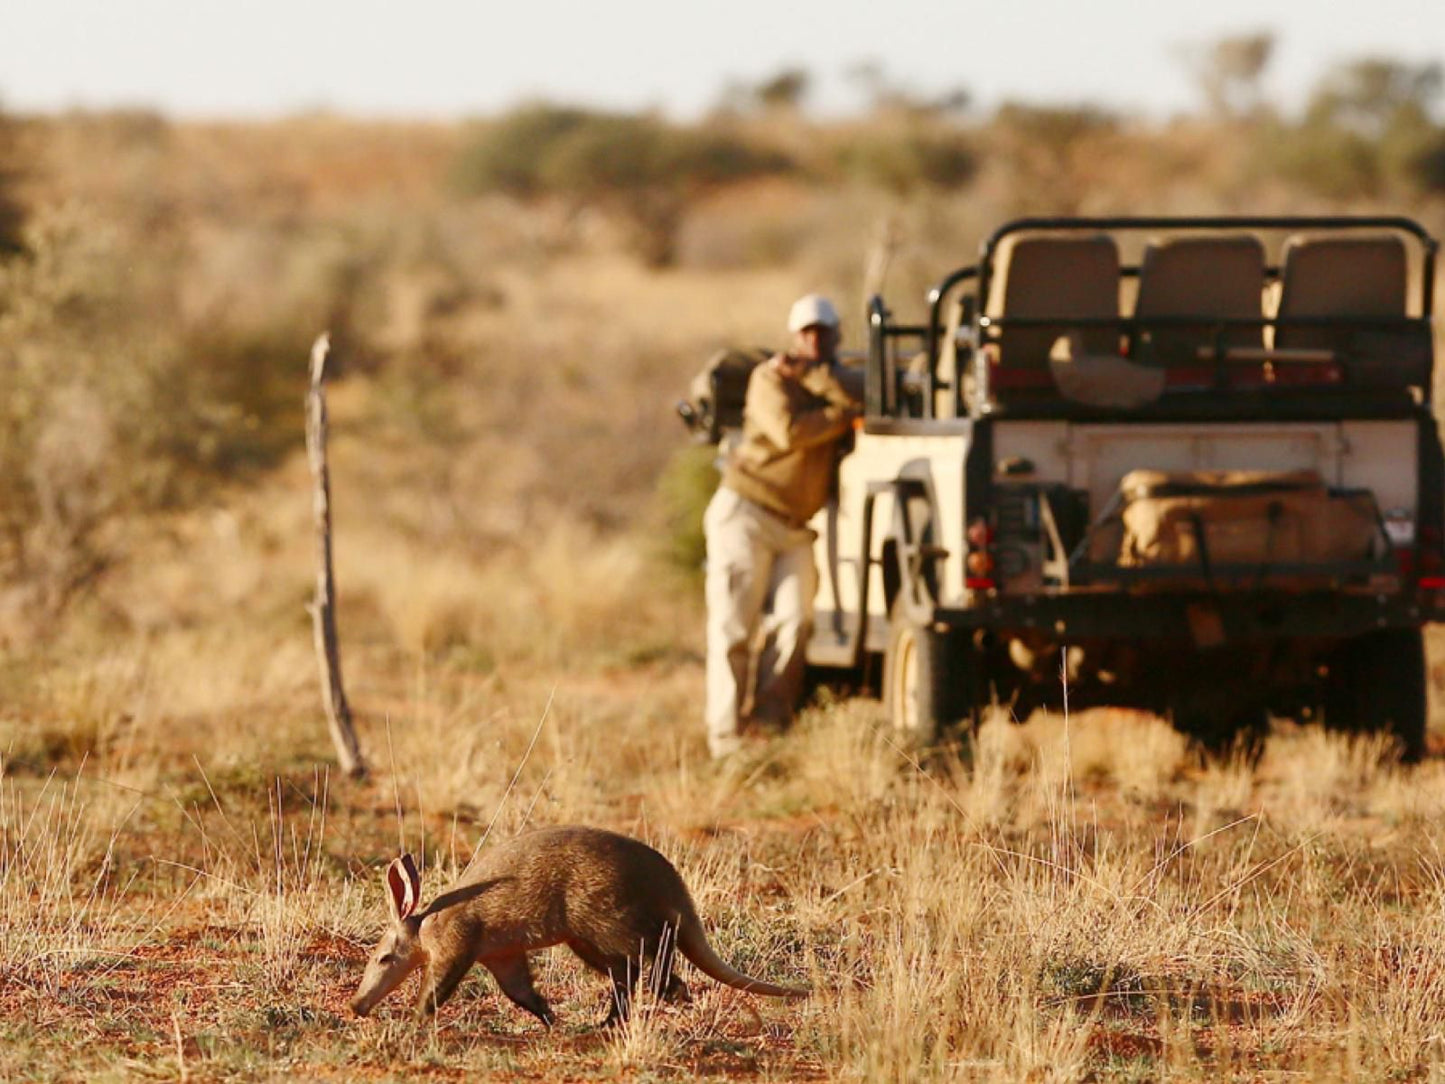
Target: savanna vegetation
{"x": 187, "y": 887}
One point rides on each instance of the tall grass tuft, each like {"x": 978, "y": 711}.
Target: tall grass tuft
{"x": 63, "y": 896}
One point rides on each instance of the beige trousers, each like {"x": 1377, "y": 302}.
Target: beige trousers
{"x": 760, "y": 577}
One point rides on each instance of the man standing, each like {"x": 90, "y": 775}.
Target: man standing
{"x": 759, "y": 547}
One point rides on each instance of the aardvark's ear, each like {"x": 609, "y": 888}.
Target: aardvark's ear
{"x": 403, "y": 887}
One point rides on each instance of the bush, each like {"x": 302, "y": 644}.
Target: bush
{"x": 508, "y": 156}
{"x": 1054, "y": 129}
{"x": 110, "y": 411}
{"x": 12, "y": 213}
{"x": 902, "y": 162}
{"x": 1367, "y": 131}
{"x": 638, "y": 166}
{"x": 1428, "y": 167}
{"x": 685, "y": 488}
{"x": 1323, "y": 159}
{"x": 1051, "y": 155}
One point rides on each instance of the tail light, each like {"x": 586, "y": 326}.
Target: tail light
{"x": 979, "y": 564}
{"x": 1430, "y": 560}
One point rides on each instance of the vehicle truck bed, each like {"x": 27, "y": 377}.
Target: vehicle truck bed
{"x": 1184, "y": 464}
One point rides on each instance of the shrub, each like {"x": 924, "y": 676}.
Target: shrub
{"x": 12, "y": 212}
{"x": 1373, "y": 95}
{"x": 508, "y": 155}
{"x": 1054, "y": 129}
{"x": 638, "y": 166}
{"x": 685, "y": 488}
{"x": 785, "y": 90}
{"x": 111, "y": 411}
{"x": 1428, "y": 167}
{"x": 1052, "y": 155}
{"x": 1322, "y": 158}
{"x": 1367, "y": 130}
{"x": 903, "y": 162}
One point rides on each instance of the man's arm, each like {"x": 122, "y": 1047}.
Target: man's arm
{"x": 832, "y": 383}
{"x": 769, "y": 409}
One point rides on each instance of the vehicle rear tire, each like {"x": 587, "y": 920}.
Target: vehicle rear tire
{"x": 1376, "y": 685}
{"x": 1221, "y": 737}
{"x": 917, "y": 689}
{"x": 1224, "y": 720}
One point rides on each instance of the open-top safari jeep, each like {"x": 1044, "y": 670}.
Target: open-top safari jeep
{"x": 1182, "y": 464}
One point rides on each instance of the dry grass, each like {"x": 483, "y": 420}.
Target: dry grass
{"x": 186, "y": 894}
{"x": 1045, "y": 916}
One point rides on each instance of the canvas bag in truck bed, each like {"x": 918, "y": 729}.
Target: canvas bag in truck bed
{"x": 1210, "y": 519}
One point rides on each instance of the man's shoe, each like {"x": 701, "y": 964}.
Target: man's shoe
{"x": 732, "y": 745}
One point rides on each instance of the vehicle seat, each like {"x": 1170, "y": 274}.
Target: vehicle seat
{"x": 1338, "y": 276}
{"x": 1063, "y": 280}
{"x": 1214, "y": 278}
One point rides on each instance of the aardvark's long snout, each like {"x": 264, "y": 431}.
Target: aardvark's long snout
{"x": 377, "y": 983}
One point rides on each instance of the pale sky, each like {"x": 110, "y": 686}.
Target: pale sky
{"x": 448, "y": 58}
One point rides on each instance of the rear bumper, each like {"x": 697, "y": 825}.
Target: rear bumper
{"x": 1200, "y": 618}
{"x": 1193, "y": 620}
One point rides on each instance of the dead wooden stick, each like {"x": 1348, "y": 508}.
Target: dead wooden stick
{"x": 323, "y": 609}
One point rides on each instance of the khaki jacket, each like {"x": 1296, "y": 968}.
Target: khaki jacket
{"x": 784, "y": 460}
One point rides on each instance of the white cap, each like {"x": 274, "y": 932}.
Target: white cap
{"x": 812, "y": 309}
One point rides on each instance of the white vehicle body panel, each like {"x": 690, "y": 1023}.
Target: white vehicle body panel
{"x": 939, "y": 459}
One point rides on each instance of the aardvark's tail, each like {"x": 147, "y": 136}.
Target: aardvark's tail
{"x": 693, "y": 943}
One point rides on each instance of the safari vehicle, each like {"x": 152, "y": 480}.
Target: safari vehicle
{"x": 1187, "y": 465}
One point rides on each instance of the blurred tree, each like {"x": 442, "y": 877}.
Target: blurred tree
{"x": 12, "y": 211}
{"x": 1229, "y": 71}
{"x": 1317, "y": 157}
{"x": 1369, "y": 128}
{"x": 1429, "y": 166}
{"x": 507, "y": 156}
{"x": 785, "y": 90}
{"x": 640, "y": 166}
{"x": 903, "y": 159}
{"x": 1389, "y": 104}
{"x": 884, "y": 95}
{"x": 1375, "y": 96}
{"x": 868, "y": 75}
{"x": 1053, "y": 154}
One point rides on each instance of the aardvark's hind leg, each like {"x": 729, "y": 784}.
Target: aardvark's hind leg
{"x": 622, "y": 970}
{"x": 626, "y": 972}
{"x": 663, "y": 972}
